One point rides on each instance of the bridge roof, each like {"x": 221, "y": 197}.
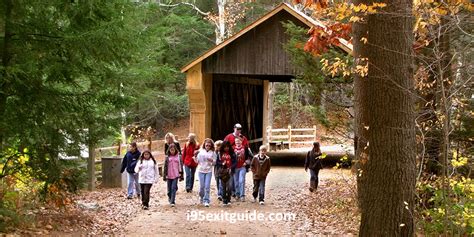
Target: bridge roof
{"x": 310, "y": 22}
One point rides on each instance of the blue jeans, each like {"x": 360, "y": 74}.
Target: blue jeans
{"x": 172, "y": 189}
{"x": 218, "y": 184}
{"x": 133, "y": 180}
{"x": 313, "y": 182}
{"x": 190, "y": 171}
{"x": 239, "y": 181}
{"x": 259, "y": 189}
{"x": 205, "y": 186}
{"x": 220, "y": 188}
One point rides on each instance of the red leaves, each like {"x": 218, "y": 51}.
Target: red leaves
{"x": 321, "y": 39}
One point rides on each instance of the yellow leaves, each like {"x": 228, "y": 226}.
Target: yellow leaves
{"x": 441, "y": 11}
{"x": 355, "y": 19}
{"x": 362, "y": 70}
{"x": 351, "y": 12}
{"x": 359, "y": 8}
{"x": 342, "y": 11}
{"x": 362, "y": 8}
{"x": 335, "y": 67}
{"x": 458, "y": 162}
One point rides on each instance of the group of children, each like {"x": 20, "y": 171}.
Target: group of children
{"x": 228, "y": 160}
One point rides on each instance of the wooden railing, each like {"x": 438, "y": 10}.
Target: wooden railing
{"x": 156, "y": 147}
{"x": 288, "y": 137}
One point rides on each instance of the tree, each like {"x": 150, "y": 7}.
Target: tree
{"x": 62, "y": 65}
{"x": 387, "y": 184}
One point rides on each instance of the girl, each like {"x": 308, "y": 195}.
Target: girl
{"x": 313, "y": 162}
{"x": 217, "y": 145}
{"x": 206, "y": 159}
{"x": 171, "y": 139}
{"x": 188, "y": 159}
{"x": 243, "y": 159}
{"x": 147, "y": 175}
{"x": 172, "y": 171}
{"x": 226, "y": 162}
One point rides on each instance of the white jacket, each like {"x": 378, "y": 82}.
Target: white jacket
{"x": 147, "y": 171}
{"x": 205, "y": 165}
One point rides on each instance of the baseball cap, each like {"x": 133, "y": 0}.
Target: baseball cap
{"x": 237, "y": 125}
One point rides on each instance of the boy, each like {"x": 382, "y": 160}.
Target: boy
{"x": 128, "y": 163}
{"x": 260, "y": 167}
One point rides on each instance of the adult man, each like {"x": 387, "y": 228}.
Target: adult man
{"x": 129, "y": 162}
{"x": 237, "y": 133}
{"x": 238, "y": 179}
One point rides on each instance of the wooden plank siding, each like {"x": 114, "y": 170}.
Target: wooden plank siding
{"x": 260, "y": 51}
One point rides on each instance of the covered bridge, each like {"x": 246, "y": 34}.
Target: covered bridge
{"x": 229, "y": 83}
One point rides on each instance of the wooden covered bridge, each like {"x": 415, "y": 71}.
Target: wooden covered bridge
{"x": 229, "y": 83}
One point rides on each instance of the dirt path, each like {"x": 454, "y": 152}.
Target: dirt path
{"x": 285, "y": 189}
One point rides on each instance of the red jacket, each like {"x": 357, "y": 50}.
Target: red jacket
{"x": 231, "y": 139}
{"x": 188, "y": 153}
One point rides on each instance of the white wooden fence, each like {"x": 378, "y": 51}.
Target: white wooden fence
{"x": 289, "y": 137}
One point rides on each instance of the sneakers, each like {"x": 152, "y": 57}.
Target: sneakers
{"x": 242, "y": 199}
{"x": 262, "y": 202}
{"x": 311, "y": 189}
{"x": 254, "y": 200}
{"x": 219, "y": 198}
{"x": 172, "y": 204}
{"x": 129, "y": 197}
{"x": 206, "y": 204}
{"x": 145, "y": 207}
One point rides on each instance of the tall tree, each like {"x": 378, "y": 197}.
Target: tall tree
{"x": 61, "y": 67}
{"x": 387, "y": 184}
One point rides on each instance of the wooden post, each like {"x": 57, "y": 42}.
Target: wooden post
{"x": 91, "y": 168}
{"x": 269, "y": 134}
{"x": 119, "y": 149}
{"x": 314, "y": 127}
{"x": 289, "y": 136}
{"x": 149, "y": 144}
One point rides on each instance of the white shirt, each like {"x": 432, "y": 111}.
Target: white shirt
{"x": 204, "y": 164}
{"x": 147, "y": 171}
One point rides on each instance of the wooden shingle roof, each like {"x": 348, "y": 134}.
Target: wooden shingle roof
{"x": 310, "y": 22}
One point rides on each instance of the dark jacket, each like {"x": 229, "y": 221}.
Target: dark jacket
{"x": 165, "y": 167}
{"x": 313, "y": 161}
{"x": 260, "y": 171}
{"x": 177, "y": 147}
{"x": 130, "y": 161}
{"x": 233, "y": 161}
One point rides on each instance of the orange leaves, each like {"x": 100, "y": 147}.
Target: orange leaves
{"x": 321, "y": 39}
{"x": 317, "y": 4}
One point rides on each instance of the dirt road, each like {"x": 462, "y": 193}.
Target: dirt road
{"x": 289, "y": 209}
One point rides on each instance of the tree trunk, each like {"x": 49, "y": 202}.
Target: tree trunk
{"x": 221, "y": 22}
{"x": 271, "y": 92}
{"x": 359, "y": 31}
{"x": 6, "y": 56}
{"x": 388, "y": 183}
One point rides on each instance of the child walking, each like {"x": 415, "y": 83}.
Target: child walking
{"x": 172, "y": 172}
{"x": 190, "y": 148}
{"x": 217, "y": 146}
{"x": 243, "y": 159}
{"x": 206, "y": 159}
{"x": 226, "y": 162}
{"x": 260, "y": 167}
{"x": 147, "y": 175}
{"x": 129, "y": 163}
